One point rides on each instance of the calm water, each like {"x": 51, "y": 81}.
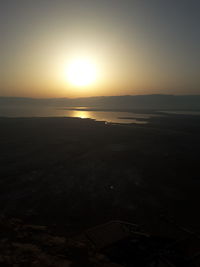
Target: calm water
{"x": 108, "y": 116}
{"x": 182, "y": 112}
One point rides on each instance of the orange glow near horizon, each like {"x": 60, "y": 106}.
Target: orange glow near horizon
{"x": 85, "y": 48}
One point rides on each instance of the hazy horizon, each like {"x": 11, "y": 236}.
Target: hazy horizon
{"x": 158, "y": 102}
{"x": 94, "y": 48}
{"x": 100, "y": 96}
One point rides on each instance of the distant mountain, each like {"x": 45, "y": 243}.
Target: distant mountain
{"x": 112, "y": 102}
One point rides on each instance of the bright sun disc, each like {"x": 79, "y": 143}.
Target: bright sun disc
{"x": 81, "y": 72}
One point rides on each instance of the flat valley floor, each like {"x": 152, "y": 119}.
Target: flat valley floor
{"x": 76, "y": 173}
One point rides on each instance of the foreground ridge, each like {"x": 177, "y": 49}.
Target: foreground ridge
{"x": 115, "y": 243}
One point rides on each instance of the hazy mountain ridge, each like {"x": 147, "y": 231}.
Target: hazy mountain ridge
{"x": 123, "y": 102}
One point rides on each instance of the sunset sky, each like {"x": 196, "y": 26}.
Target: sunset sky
{"x": 125, "y": 47}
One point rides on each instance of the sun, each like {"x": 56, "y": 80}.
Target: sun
{"x": 81, "y": 72}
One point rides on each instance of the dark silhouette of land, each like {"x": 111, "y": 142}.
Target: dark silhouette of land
{"x": 71, "y": 174}
{"x": 81, "y": 172}
{"x": 112, "y": 102}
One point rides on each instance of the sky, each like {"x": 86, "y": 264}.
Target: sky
{"x": 137, "y": 46}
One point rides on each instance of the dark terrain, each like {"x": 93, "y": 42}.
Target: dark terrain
{"x": 77, "y": 173}
{"x": 70, "y": 174}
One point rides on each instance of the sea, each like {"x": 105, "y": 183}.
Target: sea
{"x": 86, "y": 113}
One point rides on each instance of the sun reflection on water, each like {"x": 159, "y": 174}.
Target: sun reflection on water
{"x": 81, "y": 114}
